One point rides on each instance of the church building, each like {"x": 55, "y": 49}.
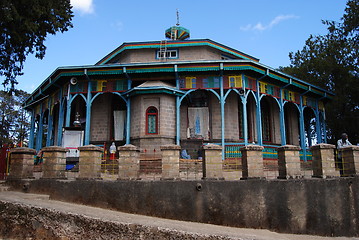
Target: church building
{"x": 188, "y": 92}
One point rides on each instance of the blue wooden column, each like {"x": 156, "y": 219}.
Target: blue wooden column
{"x": 32, "y": 129}
{"x": 49, "y": 124}
{"x": 128, "y": 115}
{"x": 324, "y": 127}
{"x": 259, "y": 115}
{"x": 282, "y": 120}
{"x": 61, "y": 120}
{"x": 68, "y": 111}
{"x": 178, "y": 111}
{"x": 88, "y": 113}
{"x": 222, "y": 102}
{"x": 317, "y": 123}
{"x": 39, "y": 131}
{"x": 245, "y": 119}
{"x": 301, "y": 128}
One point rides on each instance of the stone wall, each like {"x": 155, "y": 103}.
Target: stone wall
{"x": 166, "y": 106}
{"x": 101, "y": 118}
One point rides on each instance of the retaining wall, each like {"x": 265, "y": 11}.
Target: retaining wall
{"x": 328, "y": 207}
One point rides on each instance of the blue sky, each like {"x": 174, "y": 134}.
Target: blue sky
{"x": 265, "y": 29}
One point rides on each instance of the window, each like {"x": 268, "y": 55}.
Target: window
{"x": 151, "y": 120}
{"x": 191, "y": 82}
{"x": 235, "y": 81}
{"x": 169, "y": 53}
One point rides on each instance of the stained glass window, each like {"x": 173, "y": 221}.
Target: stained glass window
{"x": 151, "y": 120}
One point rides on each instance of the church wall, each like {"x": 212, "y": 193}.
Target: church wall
{"x": 166, "y": 106}
{"x": 101, "y": 118}
{"x": 184, "y": 54}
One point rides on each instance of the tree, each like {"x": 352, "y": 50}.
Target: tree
{"x": 14, "y": 119}
{"x": 332, "y": 62}
{"x": 24, "y": 25}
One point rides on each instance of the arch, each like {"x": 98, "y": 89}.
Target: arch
{"x": 107, "y": 119}
{"x": 270, "y": 114}
{"x": 291, "y": 120}
{"x": 78, "y": 106}
{"x": 55, "y": 123}
{"x": 251, "y": 118}
{"x": 310, "y": 131}
{"x": 151, "y": 121}
{"x": 195, "y": 119}
{"x": 193, "y": 90}
{"x": 250, "y": 92}
{"x": 45, "y": 125}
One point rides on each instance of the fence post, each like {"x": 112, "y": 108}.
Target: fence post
{"x": 212, "y": 162}
{"x": 324, "y": 161}
{"x": 350, "y": 158}
{"x": 252, "y": 162}
{"x": 90, "y": 162}
{"x": 170, "y": 161}
{"x": 54, "y": 165}
{"x": 22, "y": 162}
{"x": 129, "y": 162}
{"x": 289, "y": 161}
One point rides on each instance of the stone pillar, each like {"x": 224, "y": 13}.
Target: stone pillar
{"x": 170, "y": 161}
{"x": 350, "y": 158}
{"x": 323, "y": 161}
{"x": 129, "y": 162}
{"x": 22, "y": 162}
{"x": 90, "y": 162}
{"x": 54, "y": 165}
{"x": 252, "y": 161}
{"x": 212, "y": 162}
{"x": 289, "y": 161}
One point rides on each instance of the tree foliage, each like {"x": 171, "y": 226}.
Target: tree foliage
{"x": 14, "y": 120}
{"x": 24, "y": 25}
{"x": 331, "y": 61}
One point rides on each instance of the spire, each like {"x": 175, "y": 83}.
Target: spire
{"x": 177, "y": 32}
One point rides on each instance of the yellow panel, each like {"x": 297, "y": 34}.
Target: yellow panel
{"x": 236, "y": 80}
{"x": 100, "y": 85}
{"x": 189, "y": 82}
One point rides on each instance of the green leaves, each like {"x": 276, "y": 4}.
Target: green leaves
{"x": 14, "y": 120}
{"x": 24, "y": 26}
{"x": 332, "y": 62}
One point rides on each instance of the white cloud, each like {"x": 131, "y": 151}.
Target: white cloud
{"x": 118, "y": 25}
{"x": 84, "y": 6}
{"x": 260, "y": 27}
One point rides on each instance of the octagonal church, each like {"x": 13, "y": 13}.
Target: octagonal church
{"x": 182, "y": 91}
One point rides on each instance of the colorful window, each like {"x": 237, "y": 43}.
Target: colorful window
{"x": 152, "y": 120}
{"x": 191, "y": 82}
{"x": 235, "y": 81}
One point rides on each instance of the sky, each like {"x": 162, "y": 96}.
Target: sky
{"x": 265, "y": 29}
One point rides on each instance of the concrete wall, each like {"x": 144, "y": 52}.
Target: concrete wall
{"x": 327, "y": 207}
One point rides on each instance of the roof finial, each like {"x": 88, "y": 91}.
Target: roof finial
{"x": 177, "y": 24}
